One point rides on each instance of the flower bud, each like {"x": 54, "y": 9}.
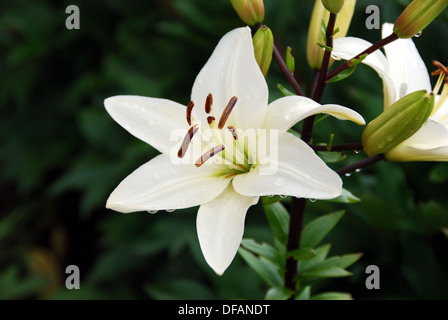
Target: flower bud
{"x": 398, "y": 122}
{"x": 417, "y": 16}
{"x": 263, "y": 47}
{"x": 315, "y": 52}
{"x": 250, "y": 11}
{"x": 334, "y": 6}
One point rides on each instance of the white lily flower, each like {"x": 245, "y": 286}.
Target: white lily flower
{"x": 403, "y": 71}
{"x": 233, "y": 171}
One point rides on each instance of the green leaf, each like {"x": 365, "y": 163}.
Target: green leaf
{"x": 304, "y": 293}
{"x": 265, "y": 250}
{"x": 267, "y": 200}
{"x": 345, "y": 197}
{"x": 264, "y": 268}
{"x": 325, "y": 272}
{"x": 439, "y": 173}
{"x": 332, "y": 296}
{"x": 331, "y": 156}
{"x": 321, "y": 254}
{"x": 316, "y": 230}
{"x": 278, "y": 293}
{"x": 284, "y": 91}
{"x": 278, "y": 218}
{"x": 303, "y": 254}
{"x": 343, "y": 261}
{"x": 343, "y": 74}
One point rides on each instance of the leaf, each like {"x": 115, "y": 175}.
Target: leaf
{"x": 179, "y": 289}
{"x": 303, "y": 254}
{"x": 284, "y": 91}
{"x": 345, "y": 197}
{"x": 439, "y": 173}
{"x": 264, "y": 268}
{"x": 332, "y": 296}
{"x": 265, "y": 250}
{"x": 343, "y": 261}
{"x": 316, "y": 230}
{"x": 325, "y": 272}
{"x": 331, "y": 156}
{"x": 343, "y": 74}
{"x": 278, "y": 293}
{"x": 278, "y": 218}
{"x": 304, "y": 293}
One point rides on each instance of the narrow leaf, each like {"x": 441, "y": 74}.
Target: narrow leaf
{"x": 278, "y": 218}
{"x": 264, "y": 268}
{"x": 316, "y": 230}
{"x": 332, "y": 296}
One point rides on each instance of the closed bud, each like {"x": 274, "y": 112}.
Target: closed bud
{"x": 315, "y": 52}
{"x": 334, "y": 6}
{"x": 398, "y": 122}
{"x": 417, "y": 16}
{"x": 250, "y": 11}
{"x": 263, "y": 47}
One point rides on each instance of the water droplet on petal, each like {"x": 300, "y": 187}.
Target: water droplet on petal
{"x": 152, "y": 211}
{"x": 312, "y": 200}
{"x": 419, "y": 34}
{"x": 170, "y": 210}
{"x": 283, "y": 196}
{"x": 279, "y": 182}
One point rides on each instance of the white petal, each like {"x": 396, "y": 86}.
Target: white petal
{"x": 233, "y": 71}
{"x": 406, "y": 68}
{"x": 149, "y": 119}
{"x": 293, "y": 169}
{"x": 161, "y": 185}
{"x": 220, "y": 227}
{"x": 348, "y": 47}
{"x": 441, "y": 114}
{"x": 283, "y": 113}
{"x": 430, "y": 143}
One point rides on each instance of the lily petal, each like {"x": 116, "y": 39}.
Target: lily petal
{"x": 430, "y": 143}
{"x": 406, "y": 67}
{"x": 160, "y": 185}
{"x": 348, "y": 47}
{"x": 293, "y": 169}
{"x": 232, "y": 71}
{"x": 220, "y": 227}
{"x": 149, "y": 119}
{"x": 283, "y": 113}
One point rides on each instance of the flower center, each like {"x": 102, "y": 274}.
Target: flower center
{"x": 442, "y": 72}
{"x": 227, "y": 141}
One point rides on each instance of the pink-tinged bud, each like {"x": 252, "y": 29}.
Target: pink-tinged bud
{"x": 250, "y": 11}
{"x": 417, "y": 16}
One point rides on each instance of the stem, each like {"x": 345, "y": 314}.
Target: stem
{"x": 295, "y": 232}
{"x": 297, "y": 210}
{"x": 368, "y": 51}
{"x": 338, "y": 147}
{"x": 361, "y": 164}
{"x": 288, "y": 75}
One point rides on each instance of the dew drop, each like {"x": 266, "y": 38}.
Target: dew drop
{"x": 357, "y": 151}
{"x": 335, "y": 57}
{"x": 358, "y": 170}
{"x": 419, "y": 34}
{"x": 152, "y": 211}
{"x": 170, "y": 210}
{"x": 312, "y": 200}
{"x": 390, "y": 138}
{"x": 348, "y": 174}
{"x": 283, "y": 196}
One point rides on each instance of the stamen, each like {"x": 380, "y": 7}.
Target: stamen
{"x": 233, "y": 132}
{"x": 226, "y": 113}
{"x": 189, "y": 109}
{"x": 210, "y": 153}
{"x": 440, "y": 66}
{"x": 208, "y": 103}
{"x": 210, "y": 119}
{"x": 186, "y": 142}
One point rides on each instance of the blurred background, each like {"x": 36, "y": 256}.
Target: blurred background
{"x": 61, "y": 155}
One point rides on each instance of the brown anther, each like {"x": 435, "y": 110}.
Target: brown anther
{"x": 210, "y": 119}
{"x": 208, "y": 103}
{"x": 233, "y": 132}
{"x": 210, "y": 153}
{"x": 186, "y": 142}
{"x": 226, "y": 113}
{"x": 441, "y": 67}
{"x": 190, "y": 106}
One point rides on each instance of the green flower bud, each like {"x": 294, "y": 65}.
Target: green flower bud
{"x": 334, "y": 6}
{"x": 398, "y": 122}
{"x": 263, "y": 47}
{"x": 250, "y": 11}
{"x": 314, "y": 52}
{"x": 417, "y": 16}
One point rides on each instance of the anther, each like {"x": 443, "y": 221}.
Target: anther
{"x": 226, "y": 113}
{"x": 441, "y": 67}
{"x": 233, "y": 132}
{"x": 209, "y": 154}
{"x": 189, "y": 109}
{"x": 208, "y": 103}
{"x": 210, "y": 119}
{"x": 186, "y": 142}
